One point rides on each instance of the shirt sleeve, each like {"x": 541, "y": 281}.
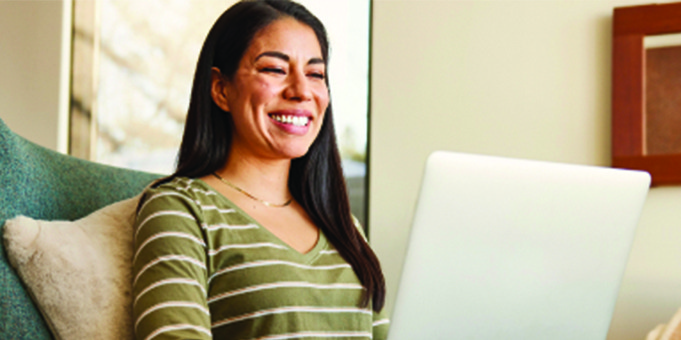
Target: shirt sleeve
{"x": 380, "y": 325}
{"x": 169, "y": 269}
{"x": 381, "y": 321}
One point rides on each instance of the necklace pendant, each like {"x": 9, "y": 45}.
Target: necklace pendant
{"x": 266, "y": 203}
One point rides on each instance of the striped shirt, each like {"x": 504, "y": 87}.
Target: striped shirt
{"x": 203, "y": 269}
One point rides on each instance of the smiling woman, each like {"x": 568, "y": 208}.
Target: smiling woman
{"x": 252, "y": 236}
{"x": 132, "y": 74}
{"x": 278, "y": 96}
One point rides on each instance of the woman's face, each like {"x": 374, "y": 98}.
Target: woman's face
{"x": 278, "y": 95}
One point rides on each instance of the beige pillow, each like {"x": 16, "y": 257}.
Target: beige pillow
{"x": 78, "y": 273}
{"x": 669, "y": 331}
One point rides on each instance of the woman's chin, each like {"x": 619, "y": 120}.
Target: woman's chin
{"x": 293, "y": 154}
{"x": 289, "y": 151}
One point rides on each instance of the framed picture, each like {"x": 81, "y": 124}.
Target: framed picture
{"x": 646, "y": 90}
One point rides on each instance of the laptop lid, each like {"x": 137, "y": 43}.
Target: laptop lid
{"x": 516, "y": 249}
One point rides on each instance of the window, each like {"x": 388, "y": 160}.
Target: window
{"x": 132, "y": 74}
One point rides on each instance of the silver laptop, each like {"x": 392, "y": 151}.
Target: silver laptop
{"x": 516, "y": 249}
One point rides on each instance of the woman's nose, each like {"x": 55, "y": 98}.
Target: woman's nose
{"x": 298, "y": 87}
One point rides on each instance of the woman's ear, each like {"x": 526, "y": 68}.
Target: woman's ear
{"x": 218, "y": 89}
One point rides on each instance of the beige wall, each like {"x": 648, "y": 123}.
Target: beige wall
{"x": 30, "y": 63}
{"x": 526, "y": 79}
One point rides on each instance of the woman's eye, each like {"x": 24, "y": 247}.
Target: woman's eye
{"x": 273, "y": 70}
{"x": 317, "y": 75}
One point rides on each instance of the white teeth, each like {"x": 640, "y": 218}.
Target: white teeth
{"x": 293, "y": 120}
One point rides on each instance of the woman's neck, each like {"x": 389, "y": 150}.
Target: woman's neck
{"x": 263, "y": 178}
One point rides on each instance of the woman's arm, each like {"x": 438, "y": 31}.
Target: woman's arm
{"x": 380, "y": 325}
{"x": 381, "y": 321}
{"x": 169, "y": 269}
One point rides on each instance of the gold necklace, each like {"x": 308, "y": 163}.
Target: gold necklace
{"x": 251, "y": 196}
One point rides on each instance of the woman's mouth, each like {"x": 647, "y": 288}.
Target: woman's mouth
{"x": 294, "y": 120}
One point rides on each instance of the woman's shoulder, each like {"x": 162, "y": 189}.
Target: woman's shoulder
{"x": 182, "y": 187}
{"x": 190, "y": 195}
{"x": 179, "y": 192}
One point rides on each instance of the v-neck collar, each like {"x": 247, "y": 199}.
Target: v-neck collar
{"x": 306, "y": 258}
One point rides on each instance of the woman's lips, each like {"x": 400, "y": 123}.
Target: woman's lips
{"x": 295, "y": 122}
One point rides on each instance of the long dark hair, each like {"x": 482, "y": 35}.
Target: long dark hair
{"x": 316, "y": 179}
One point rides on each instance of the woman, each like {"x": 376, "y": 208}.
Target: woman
{"x": 252, "y": 236}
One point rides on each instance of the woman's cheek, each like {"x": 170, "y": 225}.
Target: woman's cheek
{"x": 323, "y": 100}
{"x": 266, "y": 91}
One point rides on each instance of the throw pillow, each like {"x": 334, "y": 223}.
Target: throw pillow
{"x": 669, "y": 331}
{"x": 78, "y": 273}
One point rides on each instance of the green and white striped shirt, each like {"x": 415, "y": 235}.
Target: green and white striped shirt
{"x": 203, "y": 269}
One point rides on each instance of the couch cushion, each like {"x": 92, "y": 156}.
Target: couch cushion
{"x": 78, "y": 272}
{"x": 43, "y": 184}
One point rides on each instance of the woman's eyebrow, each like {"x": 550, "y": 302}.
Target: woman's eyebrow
{"x": 315, "y": 61}
{"x": 274, "y": 54}
{"x": 285, "y": 57}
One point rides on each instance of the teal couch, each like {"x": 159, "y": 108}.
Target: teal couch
{"x": 43, "y": 184}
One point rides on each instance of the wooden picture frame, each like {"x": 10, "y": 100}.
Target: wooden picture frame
{"x": 630, "y": 26}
